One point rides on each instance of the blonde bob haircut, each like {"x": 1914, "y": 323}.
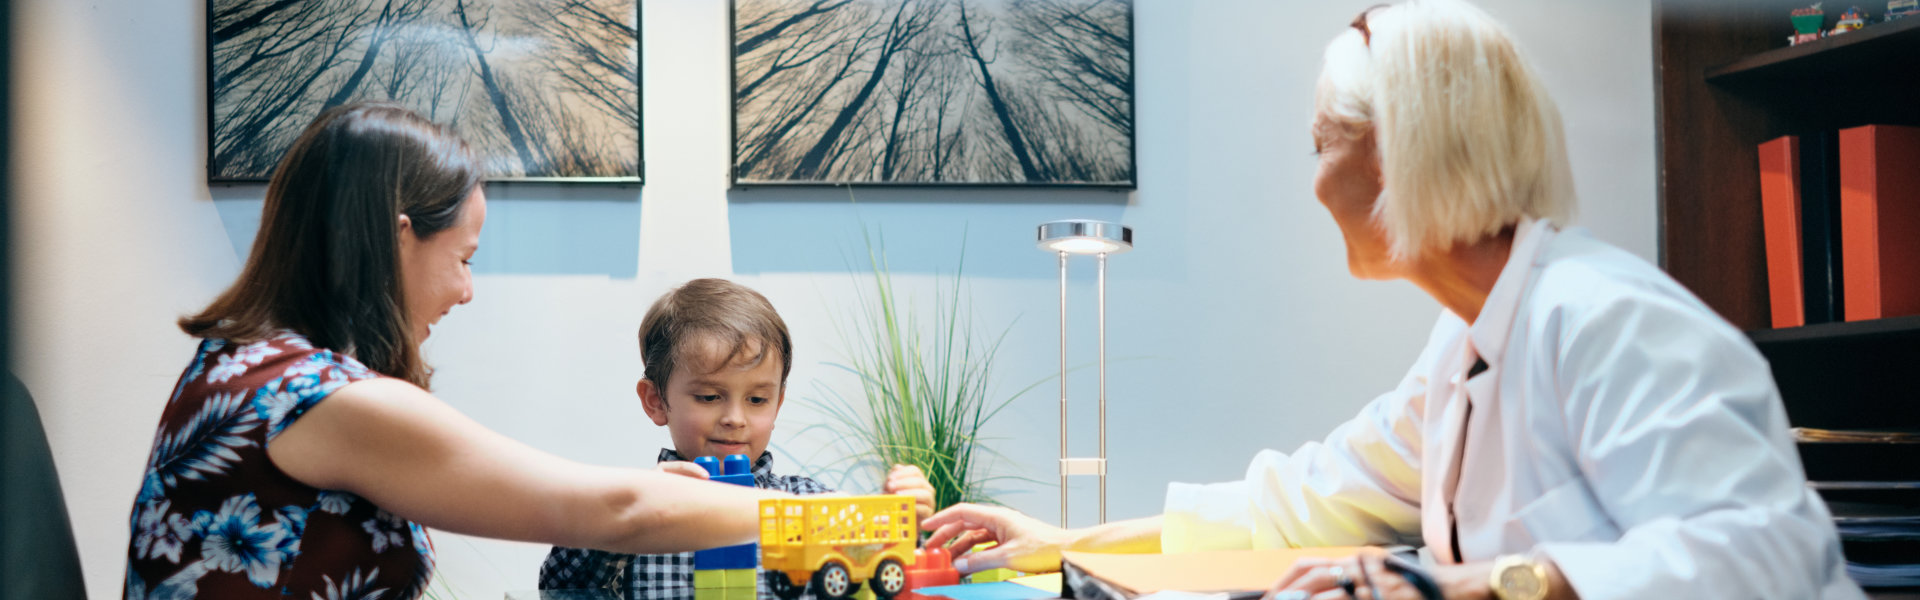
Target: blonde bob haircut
{"x": 1469, "y": 143}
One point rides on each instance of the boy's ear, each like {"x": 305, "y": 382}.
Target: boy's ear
{"x": 653, "y": 400}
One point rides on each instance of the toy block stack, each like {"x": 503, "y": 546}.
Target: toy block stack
{"x": 731, "y": 572}
{"x": 932, "y": 567}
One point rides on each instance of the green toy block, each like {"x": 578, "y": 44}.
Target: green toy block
{"x": 992, "y": 575}
{"x": 726, "y": 593}
{"x": 865, "y": 593}
{"x": 742, "y": 578}
{"x": 703, "y": 580}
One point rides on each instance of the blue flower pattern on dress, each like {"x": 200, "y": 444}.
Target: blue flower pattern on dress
{"x": 210, "y": 454}
{"x": 237, "y": 542}
{"x": 160, "y": 533}
{"x": 353, "y": 587}
{"x": 388, "y": 531}
{"x": 336, "y": 502}
{"x": 204, "y": 447}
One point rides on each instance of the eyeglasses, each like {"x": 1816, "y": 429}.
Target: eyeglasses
{"x": 1360, "y": 23}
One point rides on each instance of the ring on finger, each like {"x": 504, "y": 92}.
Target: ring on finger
{"x": 1366, "y": 579}
{"x": 1342, "y": 579}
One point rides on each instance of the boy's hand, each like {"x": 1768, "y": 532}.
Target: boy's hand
{"x": 684, "y": 468}
{"x": 907, "y": 479}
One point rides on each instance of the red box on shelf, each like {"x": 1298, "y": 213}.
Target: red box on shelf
{"x": 1780, "y": 216}
{"x": 1880, "y": 221}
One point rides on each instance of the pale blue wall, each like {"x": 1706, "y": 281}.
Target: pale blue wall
{"x": 1237, "y": 323}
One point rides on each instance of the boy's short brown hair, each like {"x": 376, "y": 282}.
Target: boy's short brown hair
{"x": 731, "y": 315}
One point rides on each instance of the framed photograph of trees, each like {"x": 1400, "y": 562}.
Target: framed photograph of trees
{"x": 545, "y": 90}
{"x": 933, "y": 92}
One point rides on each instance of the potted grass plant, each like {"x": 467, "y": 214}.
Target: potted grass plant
{"x": 926, "y": 387}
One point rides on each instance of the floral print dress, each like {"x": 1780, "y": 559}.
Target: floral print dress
{"x": 216, "y": 519}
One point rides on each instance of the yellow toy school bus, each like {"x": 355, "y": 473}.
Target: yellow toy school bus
{"x": 838, "y": 542}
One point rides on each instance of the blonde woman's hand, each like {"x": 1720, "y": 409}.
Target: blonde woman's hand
{"x": 909, "y": 480}
{"x": 684, "y": 468}
{"x": 1366, "y": 575}
{"x": 1024, "y": 543}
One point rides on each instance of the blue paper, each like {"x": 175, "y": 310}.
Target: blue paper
{"x": 998, "y": 590}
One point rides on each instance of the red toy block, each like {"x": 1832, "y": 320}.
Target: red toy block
{"x": 932, "y": 567}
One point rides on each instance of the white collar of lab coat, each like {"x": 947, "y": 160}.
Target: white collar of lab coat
{"x": 1489, "y": 331}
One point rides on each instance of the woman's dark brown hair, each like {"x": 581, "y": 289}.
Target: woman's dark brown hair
{"x": 326, "y": 263}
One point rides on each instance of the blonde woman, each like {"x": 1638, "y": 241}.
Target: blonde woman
{"x": 1579, "y": 425}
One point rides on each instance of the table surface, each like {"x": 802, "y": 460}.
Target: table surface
{"x": 1876, "y": 594}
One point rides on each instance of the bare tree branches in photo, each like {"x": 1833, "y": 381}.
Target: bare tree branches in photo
{"x": 1083, "y": 50}
{"x": 541, "y": 88}
{"x": 592, "y": 54}
{"x": 933, "y": 91}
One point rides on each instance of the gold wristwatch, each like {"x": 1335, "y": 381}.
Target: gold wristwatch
{"x": 1517, "y": 577}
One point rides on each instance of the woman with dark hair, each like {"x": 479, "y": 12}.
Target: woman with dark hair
{"x": 301, "y": 453}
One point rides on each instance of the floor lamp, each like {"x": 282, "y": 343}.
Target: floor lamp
{"x": 1099, "y": 238}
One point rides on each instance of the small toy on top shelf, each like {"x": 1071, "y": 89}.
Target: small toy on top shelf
{"x": 836, "y": 543}
{"x": 1806, "y": 25}
{"x": 1902, "y": 8}
{"x": 1851, "y": 20}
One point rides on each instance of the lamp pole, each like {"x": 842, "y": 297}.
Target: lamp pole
{"x": 1100, "y": 239}
{"x": 1063, "y": 388}
{"x": 1103, "y": 386}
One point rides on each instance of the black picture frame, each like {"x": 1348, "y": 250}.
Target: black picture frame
{"x": 752, "y": 137}
{"x": 568, "y": 130}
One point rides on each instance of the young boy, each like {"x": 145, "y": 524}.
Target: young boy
{"x": 716, "y": 357}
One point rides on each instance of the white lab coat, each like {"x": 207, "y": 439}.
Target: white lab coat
{"x": 1621, "y": 427}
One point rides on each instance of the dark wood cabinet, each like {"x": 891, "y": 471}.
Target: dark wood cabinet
{"x": 1727, "y": 81}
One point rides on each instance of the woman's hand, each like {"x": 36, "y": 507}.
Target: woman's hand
{"x": 1366, "y": 577}
{"x": 1024, "y": 543}
{"x": 684, "y": 468}
{"x": 907, "y": 479}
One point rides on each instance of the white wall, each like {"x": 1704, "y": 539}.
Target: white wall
{"x": 1235, "y": 338}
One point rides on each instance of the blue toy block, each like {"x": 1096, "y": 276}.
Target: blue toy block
{"x": 736, "y": 464}
{"x": 744, "y": 556}
{"x": 738, "y": 471}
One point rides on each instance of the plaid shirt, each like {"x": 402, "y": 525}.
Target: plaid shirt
{"x": 654, "y": 576}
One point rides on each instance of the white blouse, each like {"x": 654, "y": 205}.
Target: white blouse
{"x": 1620, "y": 426}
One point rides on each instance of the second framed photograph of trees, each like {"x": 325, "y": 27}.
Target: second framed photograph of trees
{"x": 933, "y": 92}
{"x": 542, "y": 89}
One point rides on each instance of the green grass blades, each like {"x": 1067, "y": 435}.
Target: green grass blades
{"x": 926, "y": 384}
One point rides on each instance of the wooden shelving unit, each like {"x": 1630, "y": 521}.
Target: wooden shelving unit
{"x": 1728, "y": 81}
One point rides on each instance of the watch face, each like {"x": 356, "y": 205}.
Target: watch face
{"x": 1520, "y": 581}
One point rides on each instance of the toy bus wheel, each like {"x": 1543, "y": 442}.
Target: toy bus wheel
{"x": 889, "y": 579}
{"x": 834, "y": 581}
{"x": 784, "y": 587}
